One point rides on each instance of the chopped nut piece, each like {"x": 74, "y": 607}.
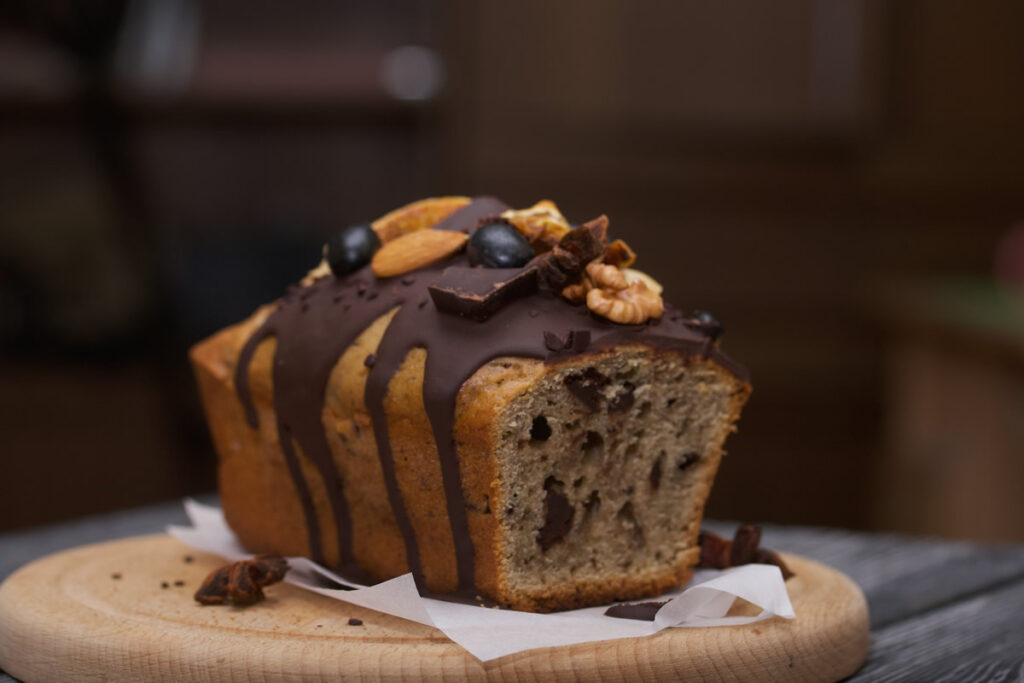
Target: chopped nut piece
{"x": 323, "y": 269}
{"x": 633, "y": 275}
{"x": 606, "y": 277}
{"x": 577, "y": 293}
{"x": 631, "y": 306}
{"x": 619, "y": 254}
{"x": 416, "y": 216}
{"x": 415, "y": 250}
{"x": 543, "y": 225}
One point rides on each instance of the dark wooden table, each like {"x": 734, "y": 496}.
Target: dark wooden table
{"x": 940, "y": 611}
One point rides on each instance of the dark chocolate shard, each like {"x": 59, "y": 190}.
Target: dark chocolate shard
{"x": 467, "y": 217}
{"x": 479, "y": 293}
{"x": 553, "y": 342}
{"x": 558, "y": 515}
{"x": 579, "y": 340}
{"x": 576, "y": 341}
{"x": 640, "y": 611}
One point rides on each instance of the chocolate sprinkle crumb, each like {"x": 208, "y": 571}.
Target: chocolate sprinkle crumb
{"x": 164, "y": 584}
{"x": 116, "y": 575}
{"x": 179, "y": 583}
{"x": 189, "y": 559}
{"x": 370, "y": 360}
{"x": 355, "y": 622}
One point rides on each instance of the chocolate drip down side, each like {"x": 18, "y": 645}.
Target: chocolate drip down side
{"x": 314, "y": 326}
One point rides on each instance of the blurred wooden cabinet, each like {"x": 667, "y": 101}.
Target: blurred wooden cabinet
{"x": 954, "y": 463}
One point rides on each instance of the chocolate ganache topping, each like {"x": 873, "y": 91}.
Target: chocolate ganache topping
{"x": 314, "y": 325}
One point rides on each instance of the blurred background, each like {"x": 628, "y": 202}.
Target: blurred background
{"x": 840, "y": 181}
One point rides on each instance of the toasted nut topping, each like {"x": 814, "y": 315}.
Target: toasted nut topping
{"x": 415, "y": 250}
{"x": 323, "y": 269}
{"x": 606, "y": 277}
{"x": 619, "y": 254}
{"x": 577, "y": 293}
{"x": 417, "y": 216}
{"x": 630, "y": 306}
{"x": 633, "y": 275}
{"x": 542, "y": 224}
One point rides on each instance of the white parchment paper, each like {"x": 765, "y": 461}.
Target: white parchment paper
{"x": 491, "y": 633}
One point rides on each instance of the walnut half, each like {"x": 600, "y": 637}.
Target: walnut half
{"x": 614, "y": 297}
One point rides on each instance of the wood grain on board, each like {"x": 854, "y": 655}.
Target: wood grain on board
{"x": 67, "y": 618}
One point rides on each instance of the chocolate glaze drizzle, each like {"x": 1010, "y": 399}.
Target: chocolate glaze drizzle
{"x": 314, "y": 325}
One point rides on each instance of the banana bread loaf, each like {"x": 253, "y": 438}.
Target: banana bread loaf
{"x": 490, "y": 399}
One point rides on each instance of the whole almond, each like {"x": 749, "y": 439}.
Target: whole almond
{"x": 416, "y": 250}
{"x": 419, "y": 215}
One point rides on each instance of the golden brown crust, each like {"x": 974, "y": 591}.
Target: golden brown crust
{"x": 263, "y": 508}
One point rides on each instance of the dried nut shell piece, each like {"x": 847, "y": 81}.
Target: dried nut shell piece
{"x": 416, "y": 250}
{"x": 630, "y": 306}
{"x": 619, "y": 254}
{"x": 420, "y": 215}
{"x": 633, "y": 275}
{"x": 543, "y": 225}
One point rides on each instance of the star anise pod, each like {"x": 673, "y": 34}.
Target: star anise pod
{"x": 241, "y": 583}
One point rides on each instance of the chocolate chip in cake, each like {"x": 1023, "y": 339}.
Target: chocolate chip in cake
{"x": 188, "y": 559}
{"x": 558, "y": 515}
{"x": 116, "y": 575}
{"x": 655, "y": 475}
{"x": 355, "y": 622}
{"x": 687, "y": 460}
{"x": 370, "y": 360}
{"x": 588, "y": 387}
{"x": 164, "y": 584}
{"x": 540, "y": 430}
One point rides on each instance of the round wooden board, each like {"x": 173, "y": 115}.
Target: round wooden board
{"x": 66, "y": 618}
